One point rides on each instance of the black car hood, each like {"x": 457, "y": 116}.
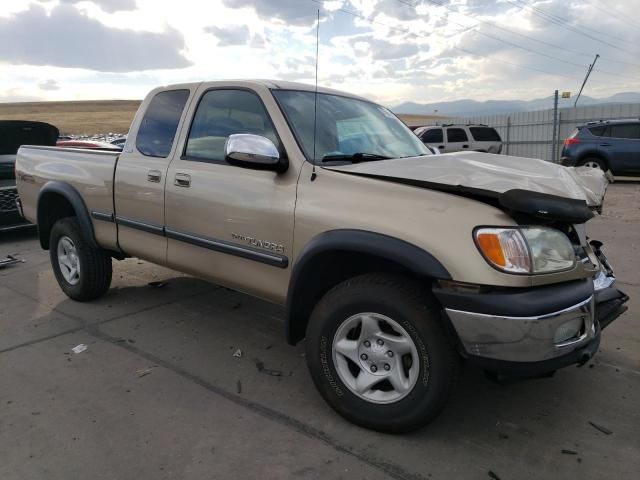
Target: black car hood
{"x": 15, "y": 133}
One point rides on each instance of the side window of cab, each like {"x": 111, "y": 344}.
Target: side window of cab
{"x": 160, "y": 122}
{"x": 221, "y": 113}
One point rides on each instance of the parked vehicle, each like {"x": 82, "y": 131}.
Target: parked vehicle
{"x": 13, "y": 134}
{"x": 119, "y": 142}
{"x": 392, "y": 262}
{"x": 87, "y": 144}
{"x": 606, "y": 145}
{"x": 458, "y": 138}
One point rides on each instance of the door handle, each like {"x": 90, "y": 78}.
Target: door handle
{"x": 605, "y": 144}
{"x": 465, "y": 146}
{"x": 182, "y": 180}
{"x": 154, "y": 176}
{"x": 441, "y": 146}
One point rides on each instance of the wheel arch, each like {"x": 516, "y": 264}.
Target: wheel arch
{"x": 57, "y": 200}
{"x": 332, "y": 257}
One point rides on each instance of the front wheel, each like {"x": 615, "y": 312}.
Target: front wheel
{"x": 82, "y": 270}
{"x": 379, "y": 355}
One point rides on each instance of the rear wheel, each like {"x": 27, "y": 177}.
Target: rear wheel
{"x": 379, "y": 355}
{"x": 83, "y": 271}
{"x": 592, "y": 162}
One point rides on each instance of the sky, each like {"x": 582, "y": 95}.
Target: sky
{"x": 389, "y": 50}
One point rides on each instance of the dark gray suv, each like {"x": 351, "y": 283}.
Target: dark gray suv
{"x": 607, "y": 144}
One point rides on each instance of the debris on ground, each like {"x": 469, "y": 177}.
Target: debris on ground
{"x": 493, "y": 475}
{"x": 143, "y": 372}
{"x": 239, "y": 387}
{"x": 569, "y": 452}
{"x": 157, "y": 284}
{"x": 237, "y": 306}
{"x": 79, "y": 348}
{"x": 604, "y": 430}
{"x": 237, "y": 353}
{"x": 9, "y": 261}
{"x": 268, "y": 347}
{"x": 268, "y": 371}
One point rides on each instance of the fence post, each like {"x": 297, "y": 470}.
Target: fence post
{"x": 554, "y": 147}
{"x": 508, "y": 133}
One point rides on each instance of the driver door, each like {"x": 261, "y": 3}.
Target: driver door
{"x": 230, "y": 224}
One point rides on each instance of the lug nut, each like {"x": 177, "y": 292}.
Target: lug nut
{"x": 389, "y": 354}
{"x": 374, "y": 369}
{"x": 364, "y": 356}
{"x": 367, "y": 343}
{"x": 379, "y": 341}
{"x": 387, "y": 367}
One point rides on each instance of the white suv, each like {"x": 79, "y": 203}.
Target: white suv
{"x": 458, "y": 138}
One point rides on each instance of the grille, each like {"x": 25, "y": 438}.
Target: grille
{"x": 8, "y": 198}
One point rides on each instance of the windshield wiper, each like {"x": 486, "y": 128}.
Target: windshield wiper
{"x": 354, "y": 157}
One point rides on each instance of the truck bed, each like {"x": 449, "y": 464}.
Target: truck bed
{"x": 90, "y": 172}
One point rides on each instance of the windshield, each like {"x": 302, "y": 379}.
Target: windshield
{"x": 347, "y": 128}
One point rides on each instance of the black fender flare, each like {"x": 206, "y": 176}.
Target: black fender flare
{"x": 405, "y": 254}
{"x": 75, "y": 200}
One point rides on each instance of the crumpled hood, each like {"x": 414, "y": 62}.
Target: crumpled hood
{"x": 489, "y": 173}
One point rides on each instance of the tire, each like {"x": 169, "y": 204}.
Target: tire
{"x": 415, "y": 315}
{"x": 593, "y": 162}
{"x": 93, "y": 275}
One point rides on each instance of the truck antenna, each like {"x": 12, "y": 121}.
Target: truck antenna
{"x": 315, "y": 101}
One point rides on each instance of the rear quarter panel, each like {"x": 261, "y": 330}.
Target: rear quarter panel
{"x": 89, "y": 172}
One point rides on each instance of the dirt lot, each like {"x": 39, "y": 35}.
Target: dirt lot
{"x": 158, "y": 393}
{"x": 77, "y": 118}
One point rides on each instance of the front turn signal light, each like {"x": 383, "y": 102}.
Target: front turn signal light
{"x": 504, "y": 248}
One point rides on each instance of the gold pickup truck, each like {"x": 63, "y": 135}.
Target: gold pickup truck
{"x": 393, "y": 263}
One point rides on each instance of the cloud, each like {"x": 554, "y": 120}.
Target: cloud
{"x": 382, "y": 49}
{"x": 292, "y": 12}
{"x": 67, "y": 38}
{"x": 49, "y": 85}
{"x": 230, "y": 35}
{"x": 108, "y": 5}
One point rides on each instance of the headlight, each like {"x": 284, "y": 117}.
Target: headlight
{"x": 525, "y": 250}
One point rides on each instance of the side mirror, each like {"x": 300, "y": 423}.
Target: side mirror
{"x": 253, "y": 151}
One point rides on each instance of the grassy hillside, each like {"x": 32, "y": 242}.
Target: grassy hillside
{"x": 105, "y": 116}
{"x": 79, "y": 118}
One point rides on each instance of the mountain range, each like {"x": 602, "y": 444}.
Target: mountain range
{"x": 462, "y": 108}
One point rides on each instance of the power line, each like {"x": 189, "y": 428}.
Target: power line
{"x": 613, "y": 12}
{"x": 515, "y": 45}
{"x": 549, "y": 18}
{"x": 513, "y": 32}
{"x": 468, "y": 52}
{"x": 564, "y": 21}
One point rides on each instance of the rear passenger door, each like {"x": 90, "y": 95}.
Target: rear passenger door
{"x": 457, "y": 140}
{"x": 141, "y": 173}
{"x": 623, "y": 146}
{"x": 485, "y": 139}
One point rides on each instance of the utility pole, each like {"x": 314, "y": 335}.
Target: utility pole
{"x": 554, "y": 141}
{"x": 585, "y": 79}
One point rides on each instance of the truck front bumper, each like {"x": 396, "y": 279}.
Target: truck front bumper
{"x": 532, "y": 331}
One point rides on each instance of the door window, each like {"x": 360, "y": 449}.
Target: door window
{"x": 625, "y": 130}
{"x": 455, "y": 135}
{"x": 160, "y": 122}
{"x": 222, "y": 113}
{"x": 432, "y": 136}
